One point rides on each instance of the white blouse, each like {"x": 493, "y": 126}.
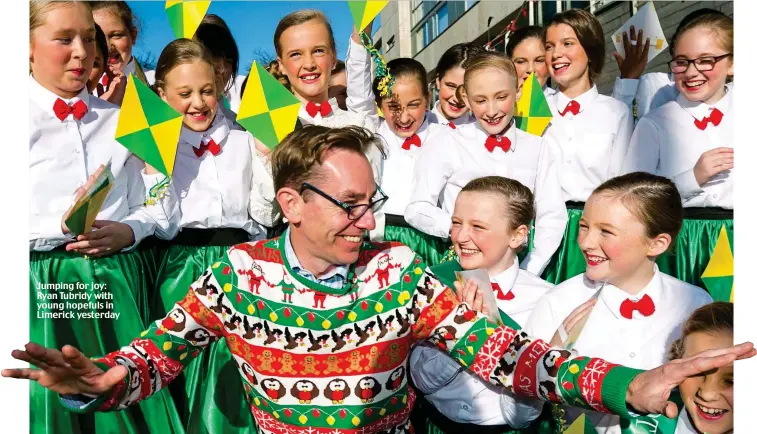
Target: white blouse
{"x": 218, "y": 191}
{"x": 62, "y": 156}
{"x": 667, "y": 142}
{"x": 641, "y": 342}
{"x": 590, "y": 145}
{"x": 459, "y": 156}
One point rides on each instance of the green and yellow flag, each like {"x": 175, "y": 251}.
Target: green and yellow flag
{"x": 582, "y": 425}
{"x": 363, "y": 12}
{"x": 532, "y": 113}
{"x": 718, "y": 276}
{"x": 148, "y": 126}
{"x": 82, "y": 214}
{"x": 268, "y": 110}
{"x": 185, "y": 16}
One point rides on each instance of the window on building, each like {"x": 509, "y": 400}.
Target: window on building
{"x": 469, "y": 4}
{"x": 442, "y": 19}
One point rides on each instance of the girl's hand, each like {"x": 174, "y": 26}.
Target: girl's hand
{"x": 578, "y": 316}
{"x": 636, "y": 55}
{"x": 470, "y": 294}
{"x": 150, "y": 170}
{"x": 116, "y": 90}
{"x": 260, "y": 147}
{"x": 711, "y": 163}
{"x": 77, "y": 195}
{"x": 110, "y": 237}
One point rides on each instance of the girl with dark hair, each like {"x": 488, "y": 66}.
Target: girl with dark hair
{"x": 525, "y": 48}
{"x": 628, "y": 222}
{"x": 589, "y": 132}
{"x": 450, "y": 110}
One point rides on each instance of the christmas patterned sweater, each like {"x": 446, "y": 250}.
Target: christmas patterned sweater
{"x": 319, "y": 360}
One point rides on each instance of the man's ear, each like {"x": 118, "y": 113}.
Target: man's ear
{"x": 291, "y": 204}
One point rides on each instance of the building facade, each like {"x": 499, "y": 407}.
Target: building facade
{"x": 424, "y": 30}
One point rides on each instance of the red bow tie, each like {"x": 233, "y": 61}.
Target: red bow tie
{"x": 494, "y": 142}
{"x": 645, "y": 306}
{"x": 715, "y": 117}
{"x": 573, "y": 107}
{"x": 451, "y": 125}
{"x": 105, "y": 80}
{"x": 413, "y": 140}
{"x": 500, "y": 295}
{"x": 210, "y": 146}
{"x": 313, "y": 109}
{"x": 62, "y": 110}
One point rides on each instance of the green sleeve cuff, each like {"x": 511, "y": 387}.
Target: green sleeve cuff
{"x": 614, "y": 388}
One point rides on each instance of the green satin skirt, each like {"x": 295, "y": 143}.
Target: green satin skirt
{"x": 567, "y": 261}
{"x": 120, "y": 282}
{"x": 693, "y": 248}
{"x": 429, "y": 247}
{"x": 209, "y": 392}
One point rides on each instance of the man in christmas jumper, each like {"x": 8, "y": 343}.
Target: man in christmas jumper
{"x": 325, "y": 188}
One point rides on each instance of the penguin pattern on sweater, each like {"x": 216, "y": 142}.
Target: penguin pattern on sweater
{"x": 343, "y": 364}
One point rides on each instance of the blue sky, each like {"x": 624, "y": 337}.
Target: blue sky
{"x": 251, "y": 22}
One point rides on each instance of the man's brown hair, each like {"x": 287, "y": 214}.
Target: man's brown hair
{"x": 299, "y": 156}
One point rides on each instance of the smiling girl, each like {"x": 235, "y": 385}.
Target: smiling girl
{"x": 406, "y": 131}
{"x": 691, "y": 140}
{"x": 705, "y": 401}
{"x": 628, "y": 222}
{"x": 449, "y": 110}
{"x": 589, "y": 132}
{"x": 119, "y": 25}
{"x": 490, "y": 146}
{"x": 71, "y": 140}
{"x": 216, "y": 176}
{"x": 490, "y": 224}
{"x": 525, "y": 48}
{"x": 306, "y": 54}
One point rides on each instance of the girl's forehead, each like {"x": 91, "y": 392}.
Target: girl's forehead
{"x": 699, "y": 40}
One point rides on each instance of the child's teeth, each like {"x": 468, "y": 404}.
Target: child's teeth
{"x": 469, "y": 251}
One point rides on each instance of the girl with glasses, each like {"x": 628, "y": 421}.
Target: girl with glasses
{"x": 691, "y": 140}
{"x": 652, "y": 89}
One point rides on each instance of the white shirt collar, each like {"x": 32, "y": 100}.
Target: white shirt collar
{"x": 130, "y": 67}
{"x": 218, "y": 131}
{"x": 506, "y": 279}
{"x": 510, "y": 134}
{"x": 422, "y": 133}
{"x": 583, "y": 100}
{"x": 442, "y": 120}
{"x": 699, "y": 110}
{"x": 46, "y": 99}
{"x": 612, "y": 296}
{"x": 332, "y": 102}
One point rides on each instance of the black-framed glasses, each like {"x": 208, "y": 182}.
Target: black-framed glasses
{"x": 354, "y": 212}
{"x": 702, "y": 64}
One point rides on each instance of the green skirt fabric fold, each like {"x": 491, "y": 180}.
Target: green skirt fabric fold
{"x": 209, "y": 393}
{"x": 693, "y": 248}
{"x": 567, "y": 261}
{"x": 92, "y": 292}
